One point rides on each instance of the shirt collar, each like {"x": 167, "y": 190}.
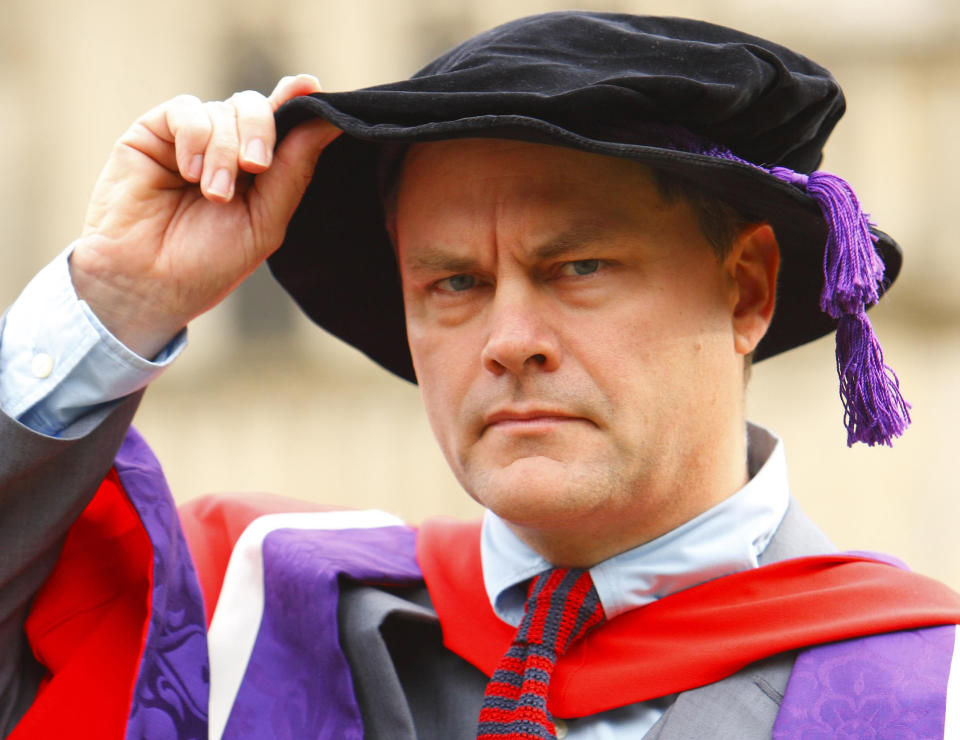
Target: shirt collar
{"x": 724, "y": 539}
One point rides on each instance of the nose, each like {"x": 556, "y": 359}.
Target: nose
{"x": 521, "y": 338}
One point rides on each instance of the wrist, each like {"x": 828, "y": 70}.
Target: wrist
{"x": 123, "y": 305}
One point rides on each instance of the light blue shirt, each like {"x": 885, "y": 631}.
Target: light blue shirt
{"x": 59, "y": 363}
{"x": 57, "y": 360}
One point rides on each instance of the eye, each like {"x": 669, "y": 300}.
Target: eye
{"x": 456, "y": 283}
{"x": 580, "y": 267}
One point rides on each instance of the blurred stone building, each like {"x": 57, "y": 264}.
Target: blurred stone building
{"x": 263, "y": 401}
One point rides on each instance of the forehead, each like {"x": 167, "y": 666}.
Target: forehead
{"x": 520, "y": 183}
{"x": 473, "y": 158}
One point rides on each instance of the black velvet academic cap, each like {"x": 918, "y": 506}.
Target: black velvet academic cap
{"x": 644, "y": 88}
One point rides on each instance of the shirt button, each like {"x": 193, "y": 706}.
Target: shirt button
{"x": 561, "y": 727}
{"x": 42, "y": 365}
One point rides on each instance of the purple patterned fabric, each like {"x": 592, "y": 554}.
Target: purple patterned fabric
{"x": 298, "y": 683}
{"x": 171, "y": 693}
{"x": 890, "y": 686}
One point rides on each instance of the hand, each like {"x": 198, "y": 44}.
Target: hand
{"x": 174, "y": 224}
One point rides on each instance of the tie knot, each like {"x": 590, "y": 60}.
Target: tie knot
{"x": 562, "y": 606}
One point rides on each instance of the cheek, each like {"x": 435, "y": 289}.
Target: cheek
{"x": 648, "y": 352}
{"x": 687, "y": 315}
{"x": 438, "y": 403}
{"x": 442, "y": 366}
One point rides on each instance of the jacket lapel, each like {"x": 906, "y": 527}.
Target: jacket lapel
{"x": 408, "y": 685}
{"x": 741, "y": 707}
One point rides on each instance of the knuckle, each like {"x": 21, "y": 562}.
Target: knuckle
{"x": 223, "y": 143}
{"x": 222, "y": 119}
{"x": 193, "y": 127}
{"x": 201, "y": 123}
{"x": 185, "y": 100}
{"x": 253, "y": 109}
{"x": 198, "y": 120}
{"x": 245, "y": 98}
{"x": 222, "y": 147}
{"x": 218, "y": 109}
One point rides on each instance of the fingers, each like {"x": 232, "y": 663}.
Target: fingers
{"x": 190, "y": 127}
{"x": 292, "y": 86}
{"x": 221, "y": 157}
{"x": 213, "y": 142}
{"x": 255, "y": 129}
{"x": 216, "y": 140}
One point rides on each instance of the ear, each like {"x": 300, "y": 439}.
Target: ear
{"x": 752, "y": 266}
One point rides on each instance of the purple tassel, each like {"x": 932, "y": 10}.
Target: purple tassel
{"x": 874, "y": 410}
{"x": 852, "y": 269}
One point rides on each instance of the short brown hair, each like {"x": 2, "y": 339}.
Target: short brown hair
{"x": 719, "y": 221}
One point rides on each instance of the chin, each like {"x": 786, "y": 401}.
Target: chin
{"x": 538, "y": 492}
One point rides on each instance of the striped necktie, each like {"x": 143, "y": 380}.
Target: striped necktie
{"x": 561, "y": 607}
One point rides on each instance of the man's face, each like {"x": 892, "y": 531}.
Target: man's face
{"x": 571, "y": 334}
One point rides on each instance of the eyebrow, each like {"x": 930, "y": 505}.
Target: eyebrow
{"x": 576, "y": 237}
{"x": 438, "y": 260}
{"x": 569, "y": 240}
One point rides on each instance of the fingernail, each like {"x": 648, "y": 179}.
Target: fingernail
{"x": 195, "y": 168}
{"x": 256, "y": 152}
{"x": 222, "y": 183}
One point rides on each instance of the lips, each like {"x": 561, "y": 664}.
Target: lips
{"x": 527, "y": 418}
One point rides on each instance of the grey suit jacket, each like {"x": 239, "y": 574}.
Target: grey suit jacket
{"x": 408, "y": 685}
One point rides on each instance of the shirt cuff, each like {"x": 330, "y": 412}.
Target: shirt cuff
{"x": 58, "y": 362}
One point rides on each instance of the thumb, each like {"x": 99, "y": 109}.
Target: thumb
{"x": 276, "y": 193}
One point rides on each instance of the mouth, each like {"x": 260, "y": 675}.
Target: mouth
{"x": 528, "y": 420}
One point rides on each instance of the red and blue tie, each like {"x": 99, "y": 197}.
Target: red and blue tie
{"x": 562, "y": 606}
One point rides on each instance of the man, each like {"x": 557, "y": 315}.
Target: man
{"x": 588, "y": 260}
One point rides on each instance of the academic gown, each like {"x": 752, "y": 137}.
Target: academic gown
{"x": 139, "y": 640}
